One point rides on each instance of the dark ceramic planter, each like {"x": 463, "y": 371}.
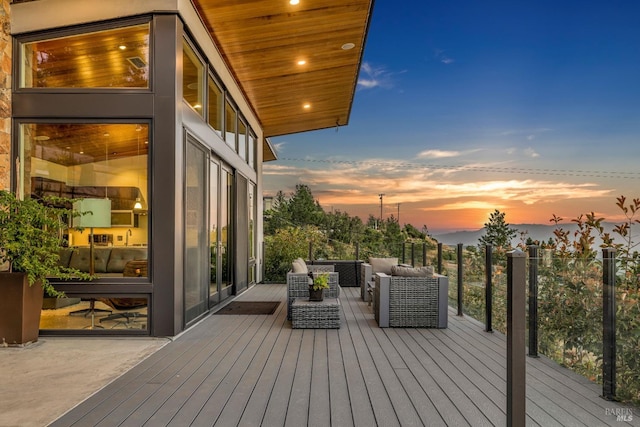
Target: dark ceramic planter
{"x": 315, "y": 295}
{"x": 20, "y": 309}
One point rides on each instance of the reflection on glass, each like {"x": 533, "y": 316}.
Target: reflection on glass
{"x": 216, "y": 106}
{"x": 252, "y": 239}
{"x": 213, "y": 230}
{"x": 192, "y": 78}
{"x": 117, "y": 58}
{"x": 196, "y": 283}
{"x": 226, "y": 206}
{"x": 93, "y": 161}
{"x": 252, "y": 151}
{"x": 242, "y": 140}
{"x": 252, "y": 217}
{"x": 111, "y": 313}
{"x": 230, "y": 125}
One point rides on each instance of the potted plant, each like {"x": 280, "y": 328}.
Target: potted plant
{"x": 320, "y": 283}
{"x": 30, "y": 240}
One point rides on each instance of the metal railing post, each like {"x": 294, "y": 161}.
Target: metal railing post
{"x": 609, "y": 324}
{"x": 413, "y": 252}
{"x": 533, "y": 300}
{"x": 516, "y": 319}
{"x": 424, "y": 254}
{"x": 439, "y": 258}
{"x": 357, "y": 251}
{"x": 460, "y": 274}
{"x": 403, "y": 252}
{"x": 264, "y": 264}
{"x": 488, "y": 288}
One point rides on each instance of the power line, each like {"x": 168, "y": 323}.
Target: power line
{"x": 487, "y": 169}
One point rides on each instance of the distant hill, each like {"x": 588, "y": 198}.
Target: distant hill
{"x": 538, "y": 232}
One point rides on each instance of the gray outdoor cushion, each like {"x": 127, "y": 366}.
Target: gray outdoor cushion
{"x": 382, "y": 265}
{"x": 426, "y": 271}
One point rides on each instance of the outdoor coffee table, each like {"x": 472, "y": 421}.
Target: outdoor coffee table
{"x": 315, "y": 314}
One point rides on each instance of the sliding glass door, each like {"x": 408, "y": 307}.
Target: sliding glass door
{"x": 196, "y": 264}
{"x": 220, "y": 231}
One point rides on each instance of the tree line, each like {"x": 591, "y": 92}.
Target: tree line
{"x": 297, "y": 220}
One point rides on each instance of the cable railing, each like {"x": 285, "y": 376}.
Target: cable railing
{"x": 580, "y": 311}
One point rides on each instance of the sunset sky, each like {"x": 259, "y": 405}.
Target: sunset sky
{"x": 463, "y": 107}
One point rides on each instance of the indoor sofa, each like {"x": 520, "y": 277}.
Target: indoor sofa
{"x": 108, "y": 261}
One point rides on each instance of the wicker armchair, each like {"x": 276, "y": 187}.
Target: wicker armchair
{"x": 417, "y": 302}
{"x": 298, "y": 284}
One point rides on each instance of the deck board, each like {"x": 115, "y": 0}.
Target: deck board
{"x": 237, "y": 370}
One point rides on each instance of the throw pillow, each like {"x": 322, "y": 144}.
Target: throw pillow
{"x": 382, "y": 265}
{"x": 299, "y": 266}
{"x": 426, "y": 271}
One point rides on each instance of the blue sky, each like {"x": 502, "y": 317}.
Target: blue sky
{"x": 463, "y": 107}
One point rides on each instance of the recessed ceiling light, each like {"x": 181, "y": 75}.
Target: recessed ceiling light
{"x": 122, "y": 47}
{"x": 41, "y": 138}
{"x": 105, "y": 134}
{"x": 197, "y": 106}
{"x": 302, "y": 62}
{"x": 294, "y": 2}
{"x": 348, "y": 46}
{"x": 306, "y": 106}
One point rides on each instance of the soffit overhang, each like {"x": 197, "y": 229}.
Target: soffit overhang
{"x": 262, "y": 42}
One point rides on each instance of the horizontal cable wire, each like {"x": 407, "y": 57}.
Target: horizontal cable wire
{"x": 487, "y": 169}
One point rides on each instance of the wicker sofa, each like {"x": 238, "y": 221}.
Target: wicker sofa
{"x": 298, "y": 284}
{"x": 349, "y": 270}
{"x": 419, "y": 302}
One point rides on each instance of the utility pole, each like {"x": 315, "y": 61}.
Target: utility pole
{"x": 398, "y": 214}
{"x": 381, "y": 196}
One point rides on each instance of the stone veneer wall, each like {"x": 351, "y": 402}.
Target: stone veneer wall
{"x": 5, "y": 94}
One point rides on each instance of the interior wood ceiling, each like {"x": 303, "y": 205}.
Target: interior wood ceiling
{"x": 263, "y": 40}
{"x": 76, "y": 144}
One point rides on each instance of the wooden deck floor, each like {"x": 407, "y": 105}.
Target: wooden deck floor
{"x": 242, "y": 370}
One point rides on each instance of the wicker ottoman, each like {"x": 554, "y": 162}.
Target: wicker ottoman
{"x": 315, "y": 314}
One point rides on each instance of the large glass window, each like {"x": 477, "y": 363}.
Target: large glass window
{"x": 100, "y": 312}
{"x": 215, "y": 102}
{"x": 102, "y": 167}
{"x": 115, "y": 58}
{"x": 192, "y": 78}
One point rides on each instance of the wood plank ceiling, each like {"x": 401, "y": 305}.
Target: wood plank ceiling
{"x": 263, "y": 42}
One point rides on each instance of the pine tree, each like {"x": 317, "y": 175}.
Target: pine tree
{"x": 498, "y": 233}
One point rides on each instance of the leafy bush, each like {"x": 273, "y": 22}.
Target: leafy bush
{"x": 285, "y": 245}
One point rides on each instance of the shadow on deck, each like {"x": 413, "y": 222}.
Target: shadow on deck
{"x": 256, "y": 370}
